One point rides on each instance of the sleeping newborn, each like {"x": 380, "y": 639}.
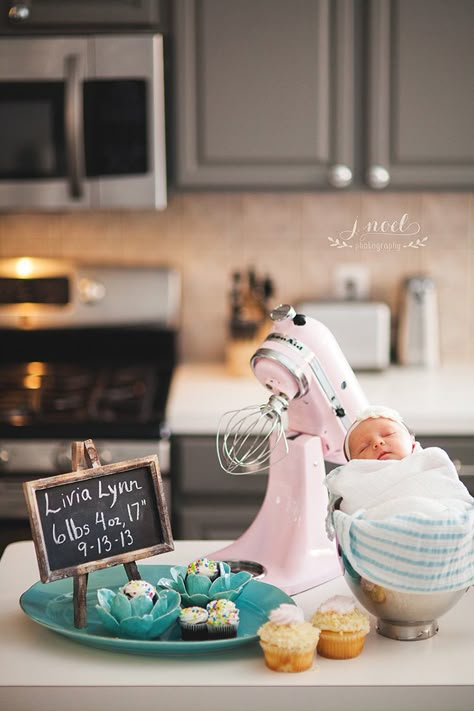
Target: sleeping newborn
{"x": 389, "y": 473}
{"x": 400, "y": 475}
{"x": 400, "y": 513}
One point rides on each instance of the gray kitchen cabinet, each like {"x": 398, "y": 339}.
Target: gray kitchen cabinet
{"x": 264, "y": 93}
{"x": 460, "y": 450}
{"x": 207, "y": 503}
{"x": 420, "y": 94}
{"x": 313, "y": 94}
{"x": 215, "y": 522}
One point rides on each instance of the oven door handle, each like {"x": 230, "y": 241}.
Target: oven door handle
{"x": 73, "y": 127}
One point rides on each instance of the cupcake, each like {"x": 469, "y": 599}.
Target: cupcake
{"x": 343, "y": 627}
{"x": 223, "y": 620}
{"x": 192, "y": 621}
{"x": 136, "y": 588}
{"x": 204, "y": 566}
{"x": 288, "y": 642}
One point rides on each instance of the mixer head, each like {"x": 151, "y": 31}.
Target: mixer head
{"x": 301, "y": 363}
{"x": 247, "y": 437}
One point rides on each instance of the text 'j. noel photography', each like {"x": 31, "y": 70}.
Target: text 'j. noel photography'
{"x": 381, "y": 236}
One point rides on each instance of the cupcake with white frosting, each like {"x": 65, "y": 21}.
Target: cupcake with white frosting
{"x": 193, "y": 623}
{"x": 343, "y": 627}
{"x": 223, "y": 621}
{"x": 136, "y": 588}
{"x": 204, "y": 566}
{"x": 287, "y": 641}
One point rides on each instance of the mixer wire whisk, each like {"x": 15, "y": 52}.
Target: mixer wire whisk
{"x": 247, "y": 437}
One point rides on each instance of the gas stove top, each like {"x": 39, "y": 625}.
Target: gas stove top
{"x": 95, "y": 364}
{"x": 68, "y": 395}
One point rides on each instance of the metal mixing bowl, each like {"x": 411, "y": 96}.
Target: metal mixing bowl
{"x": 406, "y": 616}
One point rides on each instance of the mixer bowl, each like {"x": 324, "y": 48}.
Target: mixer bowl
{"x": 405, "y": 616}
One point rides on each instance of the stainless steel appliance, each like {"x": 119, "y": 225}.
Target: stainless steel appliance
{"x": 82, "y": 122}
{"x": 86, "y": 352}
{"x": 418, "y": 330}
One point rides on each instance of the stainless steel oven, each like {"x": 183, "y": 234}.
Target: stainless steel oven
{"x": 82, "y": 122}
{"x": 86, "y": 352}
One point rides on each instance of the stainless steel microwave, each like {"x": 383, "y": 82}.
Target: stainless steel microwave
{"x": 82, "y": 122}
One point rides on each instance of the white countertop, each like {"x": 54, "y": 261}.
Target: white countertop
{"x": 436, "y": 401}
{"x": 47, "y": 672}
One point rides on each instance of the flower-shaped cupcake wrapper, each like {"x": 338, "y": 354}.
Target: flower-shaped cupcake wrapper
{"x": 138, "y": 618}
{"x": 198, "y": 590}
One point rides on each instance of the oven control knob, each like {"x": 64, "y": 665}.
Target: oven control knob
{"x": 4, "y": 456}
{"x": 19, "y": 12}
{"x": 91, "y": 291}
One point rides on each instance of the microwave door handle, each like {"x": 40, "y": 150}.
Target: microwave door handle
{"x": 73, "y": 127}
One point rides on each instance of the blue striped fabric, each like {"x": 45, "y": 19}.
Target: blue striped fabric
{"x": 410, "y": 552}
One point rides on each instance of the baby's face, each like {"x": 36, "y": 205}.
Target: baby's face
{"x": 380, "y": 438}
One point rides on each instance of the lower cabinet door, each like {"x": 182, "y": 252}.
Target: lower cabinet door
{"x": 214, "y": 522}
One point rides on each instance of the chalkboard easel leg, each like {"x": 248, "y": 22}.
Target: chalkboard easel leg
{"x": 80, "y": 607}
{"x": 132, "y": 571}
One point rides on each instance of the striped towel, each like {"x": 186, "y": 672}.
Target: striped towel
{"x": 416, "y": 531}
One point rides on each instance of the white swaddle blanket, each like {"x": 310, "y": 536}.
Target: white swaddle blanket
{"x": 407, "y": 524}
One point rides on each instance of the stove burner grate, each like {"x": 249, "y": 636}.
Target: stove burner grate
{"x": 42, "y": 393}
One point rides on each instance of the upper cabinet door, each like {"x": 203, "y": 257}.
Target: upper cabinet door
{"x": 264, "y": 93}
{"x": 421, "y": 94}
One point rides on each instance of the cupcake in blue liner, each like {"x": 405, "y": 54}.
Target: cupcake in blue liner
{"x": 223, "y": 620}
{"x": 193, "y": 623}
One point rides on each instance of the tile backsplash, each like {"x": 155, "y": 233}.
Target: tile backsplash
{"x": 297, "y": 238}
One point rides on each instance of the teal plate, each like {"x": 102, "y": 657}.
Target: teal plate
{"x": 51, "y": 605}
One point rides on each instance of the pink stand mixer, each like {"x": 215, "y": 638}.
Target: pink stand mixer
{"x": 313, "y": 388}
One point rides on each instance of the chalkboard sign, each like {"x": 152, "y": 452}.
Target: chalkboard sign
{"x": 98, "y": 517}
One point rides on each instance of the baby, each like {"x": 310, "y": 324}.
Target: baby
{"x": 402, "y": 517}
{"x": 387, "y": 471}
{"x": 379, "y": 433}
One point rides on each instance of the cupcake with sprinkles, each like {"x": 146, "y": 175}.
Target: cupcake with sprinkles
{"x": 192, "y": 621}
{"x": 223, "y": 620}
{"x": 136, "y": 588}
{"x": 204, "y": 566}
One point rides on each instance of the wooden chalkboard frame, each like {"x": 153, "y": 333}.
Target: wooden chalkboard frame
{"x": 97, "y": 470}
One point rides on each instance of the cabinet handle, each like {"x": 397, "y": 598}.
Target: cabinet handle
{"x": 340, "y": 176}
{"x": 19, "y": 12}
{"x": 73, "y": 124}
{"x": 378, "y": 177}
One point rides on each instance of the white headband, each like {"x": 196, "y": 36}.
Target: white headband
{"x": 373, "y": 411}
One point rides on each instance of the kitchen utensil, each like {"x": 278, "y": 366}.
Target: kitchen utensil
{"x": 418, "y": 332}
{"x": 301, "y": 364}
{"x": 405, "y": 616}
{"x": 249, "y": 295}
{"x": 247, "y": 437}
